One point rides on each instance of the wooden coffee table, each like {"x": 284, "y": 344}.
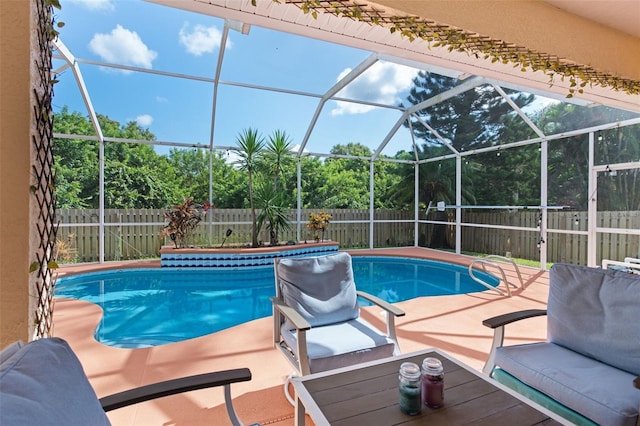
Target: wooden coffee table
{"x": 367, "y": 394}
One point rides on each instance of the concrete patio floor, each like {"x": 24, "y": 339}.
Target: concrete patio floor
{"x": 451, "y": 323}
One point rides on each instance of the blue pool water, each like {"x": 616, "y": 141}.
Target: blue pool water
{"x": 151, "y": 307}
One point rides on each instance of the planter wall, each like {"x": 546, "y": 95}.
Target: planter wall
{"x": 243, "y": 257}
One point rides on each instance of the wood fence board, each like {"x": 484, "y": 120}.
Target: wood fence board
{"x": 133, "y": 234}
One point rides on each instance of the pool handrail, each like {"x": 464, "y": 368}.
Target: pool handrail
{"x": 512, "y": 263}
{"x": 486, "y": 262}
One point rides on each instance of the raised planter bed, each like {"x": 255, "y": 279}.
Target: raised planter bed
{"x": 171, "y": 257}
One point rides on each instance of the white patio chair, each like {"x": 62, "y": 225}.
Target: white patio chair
{"x": 317, "y": 322}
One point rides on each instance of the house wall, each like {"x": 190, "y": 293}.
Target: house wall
{"x": 15, "y": 143}
{"x": 538, "y": 26}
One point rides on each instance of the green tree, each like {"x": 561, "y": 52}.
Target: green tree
{"x": 250, "y": 145}
{"x": 135, "y": 175}
{"x": 270, "y": 196}
{"x": 386, "y": 179}
{"x": 347, "y": 179}
{"x": 345, "y": 182}
{"x": 272, "y": 213}
{"x": 477, "y": 118}
{"x": 229, "y": 183}
{"x": 619, "y": 190}
{"x": 314, "y": 177}
{"x": 75, "y": 162}
{"x": 277, "y": 155}
{"x": 191, "y": 168}
{"x": 568, "y": 161}
{"x": 437, "y": 181}
{"x": 474, "y": 119}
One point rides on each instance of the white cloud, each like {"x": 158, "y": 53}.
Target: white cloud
{"x": 94, "y": 4}
{"x": 161, "y": 100}
{"x": 382, "y": 83}
{"x": 123, "y": 47}
{"x": 232, "y": 158}
{"x": 200, "y": 39}
{"x": 539, "y": 104}
{"x": 144, "y": 120}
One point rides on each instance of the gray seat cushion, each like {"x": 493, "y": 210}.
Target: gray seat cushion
{"x": 596, "y": 312}
{"x": 43, "y": 383}
{"x": 321, "y": 289}
{"x": 598, "y": 391}
{"x": 9, "y": 350}
{"x": 341, "y": 345}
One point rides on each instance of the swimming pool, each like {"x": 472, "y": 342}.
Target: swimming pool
{"x": 151, "y": 307}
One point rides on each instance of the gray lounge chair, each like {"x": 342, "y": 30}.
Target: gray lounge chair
{"x": 43, "y": 383}
{"x": 587, "y": 369}
{"x": 317, "y": 322}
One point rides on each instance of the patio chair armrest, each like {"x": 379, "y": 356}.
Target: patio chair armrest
{"x": 183, "y": 384}
{"x": 291, "y": 314}
{"x": 504, "y": 319}
{"x": 392, "y": 313}
{"x": 498, "y": 324}
{"x": 381, "y": 303}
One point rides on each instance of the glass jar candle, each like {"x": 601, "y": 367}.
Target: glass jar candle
{"x": 409, "y": 388}
{"x": 432, "y": 382}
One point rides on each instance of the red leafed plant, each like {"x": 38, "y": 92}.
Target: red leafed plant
{"x": 183, "y": 219}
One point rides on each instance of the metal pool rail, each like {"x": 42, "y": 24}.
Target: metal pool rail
{"x": 487, "y": 262}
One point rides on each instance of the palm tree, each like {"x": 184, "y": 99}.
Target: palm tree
{"x": 272, "y": 212}
{"x": 271, "y": 199}
{"x": 251, "y": 145}
{"x": 277, "y": 150}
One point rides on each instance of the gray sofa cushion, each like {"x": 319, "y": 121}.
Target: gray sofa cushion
{"x": 320, "y": 288}
{"x": 9, "y": 350}
{"x": 598, "y": 391}
{"x": 43, "y": 383}
{"x": 352, "y": 342}
{"x": 596, "y": 312}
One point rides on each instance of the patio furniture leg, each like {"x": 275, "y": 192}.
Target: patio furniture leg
{"x": 299, "y": 413}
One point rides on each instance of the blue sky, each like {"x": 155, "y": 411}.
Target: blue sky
{"x": 150, "y": 36}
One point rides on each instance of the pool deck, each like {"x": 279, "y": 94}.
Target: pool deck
{"x": 450, "y": 323}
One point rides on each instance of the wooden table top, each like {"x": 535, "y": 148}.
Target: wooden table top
{"x": 368, "y": 395}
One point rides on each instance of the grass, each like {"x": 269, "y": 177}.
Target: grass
{"x": 523, "y": 262}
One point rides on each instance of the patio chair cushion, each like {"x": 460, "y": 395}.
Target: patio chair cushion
{"x": 596, "y": 312}
{"x": 43, "y": 383}
{"x": 342, "y": 344}
{"x": 599, "y": 391}
{"x": 321, "y": 289}
{"x": 9, "y": 350}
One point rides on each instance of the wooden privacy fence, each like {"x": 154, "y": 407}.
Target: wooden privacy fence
{"x": 561, "y": 246}
{"x": 135, "y": 233}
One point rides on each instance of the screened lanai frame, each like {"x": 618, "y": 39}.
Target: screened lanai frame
{"x": 466, "y": 83}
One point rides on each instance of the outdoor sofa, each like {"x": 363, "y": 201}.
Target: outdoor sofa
{"x": 587, "y": 370}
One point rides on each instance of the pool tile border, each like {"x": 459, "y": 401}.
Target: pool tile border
{"x": 233, "y": 258}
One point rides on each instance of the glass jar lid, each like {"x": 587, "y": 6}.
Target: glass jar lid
{"x": 432, "y": 366}
{"x": 410, "y": 370}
